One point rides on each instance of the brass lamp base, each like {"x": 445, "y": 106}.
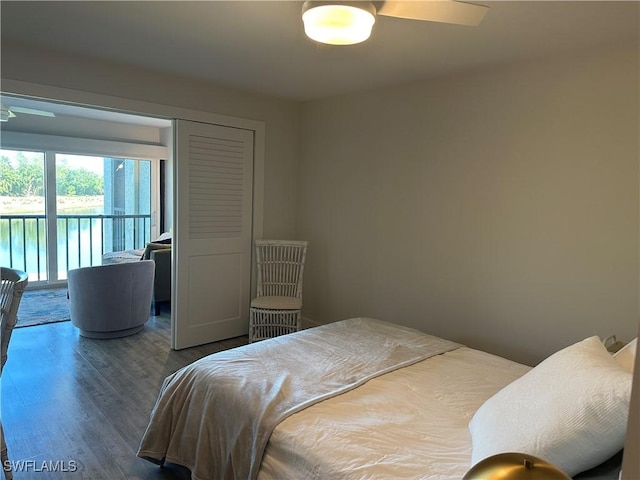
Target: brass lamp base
{"x": 514, "y": 466}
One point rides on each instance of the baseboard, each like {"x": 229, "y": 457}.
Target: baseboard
{"x": 309, "y": 323}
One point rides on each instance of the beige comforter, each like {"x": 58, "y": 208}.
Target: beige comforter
{"x": 216, "y": 415}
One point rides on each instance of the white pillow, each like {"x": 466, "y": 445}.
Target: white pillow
{"x": 626, "y": 356}
{"x": 570, "y": 410}
{"x": 163, "y": 236}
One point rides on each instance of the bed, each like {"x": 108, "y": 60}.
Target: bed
{"x": 367, "y": 399}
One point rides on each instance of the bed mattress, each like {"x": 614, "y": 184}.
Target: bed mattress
{"x": 418, "y": 416}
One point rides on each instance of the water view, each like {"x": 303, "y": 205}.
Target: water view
{"x": 80, "y": 238}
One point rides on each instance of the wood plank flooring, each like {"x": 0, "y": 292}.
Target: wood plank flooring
{"x": 83, "y": 402}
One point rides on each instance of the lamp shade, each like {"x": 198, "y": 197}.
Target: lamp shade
{"x": 338, "y": 23}
{"x": 514, "y": 466}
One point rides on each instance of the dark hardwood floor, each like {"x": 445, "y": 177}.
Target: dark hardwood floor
{"x": 72, "y": 403}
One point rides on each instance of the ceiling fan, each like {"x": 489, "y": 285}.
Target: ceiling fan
{"x": 7, "y": 112}
{"x": 349, "y": 22}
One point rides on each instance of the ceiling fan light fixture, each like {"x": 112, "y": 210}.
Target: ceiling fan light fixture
{"x": 338, "y": 23}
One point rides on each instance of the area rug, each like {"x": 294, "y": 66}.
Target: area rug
{"x": 43, "y": 306}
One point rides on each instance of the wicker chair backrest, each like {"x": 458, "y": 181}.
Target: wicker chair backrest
{"x": 280, "y": 267}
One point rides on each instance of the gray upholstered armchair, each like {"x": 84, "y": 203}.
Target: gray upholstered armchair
{"x": 162, "y": 281}
{"x": 160, "y": 253}
{"x": 110, "y": 301}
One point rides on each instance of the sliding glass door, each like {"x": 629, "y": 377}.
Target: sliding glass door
{"x": 61, "y": 211}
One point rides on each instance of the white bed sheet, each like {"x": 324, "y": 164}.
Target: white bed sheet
{"x": 408, "y": 424}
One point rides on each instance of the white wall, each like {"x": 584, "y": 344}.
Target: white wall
{"x": 498, "y": 208}
{"x": 24, "y": 63}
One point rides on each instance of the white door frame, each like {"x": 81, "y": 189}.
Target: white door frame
{"x": 125, "y": 105}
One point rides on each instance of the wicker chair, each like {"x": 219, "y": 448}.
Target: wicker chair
{"x": 12, "y": 285}
{"x": 277, "y": 308}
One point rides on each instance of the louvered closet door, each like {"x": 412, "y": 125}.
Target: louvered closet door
{"x": 212, "y": 244}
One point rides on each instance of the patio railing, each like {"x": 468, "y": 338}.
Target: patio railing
{"x": 82, "y": 240}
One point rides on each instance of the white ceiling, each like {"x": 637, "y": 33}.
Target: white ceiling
{"x": 260, "y": 46}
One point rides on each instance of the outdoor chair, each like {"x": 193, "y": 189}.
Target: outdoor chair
{"x": 277, "y": 308}
{"x": 12, "y": 286}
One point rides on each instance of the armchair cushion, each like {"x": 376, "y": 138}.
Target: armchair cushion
{"x": 277, "y": 303}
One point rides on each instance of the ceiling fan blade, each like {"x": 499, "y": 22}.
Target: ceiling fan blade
{"x": 445, "y": 11}
{"x": 31, "y": 111}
